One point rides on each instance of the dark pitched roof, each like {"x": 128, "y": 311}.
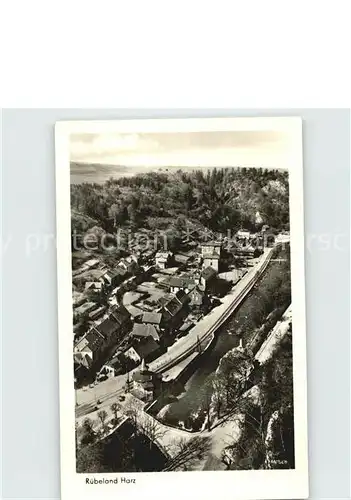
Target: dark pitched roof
{"x": 93, "y": 285}
{"x": 181, "y": 281}
{"x": 192, "y": 287}
{"x": 108, "y": 327}
{"x": 140, "y": 330}
{"x": 173, "y": 306}
{"x": 152, "y": 317}
{"x": 85, "y": 307}
{"x": 181, "y": 296}
{"x": 92, "y": 340}
{"x": 120, "y": 314}
{"x": 113, "y": 323}
{"x": 97, "y": 312}
{"x": 146, "y": 346}
{"x": 182, "y": 258}
{"x": 175, "y": 281}
{"x": 208, "y": 273}
{"x": 165, "y": 299}
{"x": 83, "y": 359}
{"x": 120, "y": 271}
{"x": 211, "y": 244}
{"x": 114, "y": 362}
{"x": 144, "y": 376}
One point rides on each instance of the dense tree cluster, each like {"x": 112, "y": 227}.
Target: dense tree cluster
{"x": 219, "y": 199}
{"x": 126, "y": 450}
{"x": 256, "y": 317}
{"x": 267, "y": 431}
{"x": 268, "y": 300}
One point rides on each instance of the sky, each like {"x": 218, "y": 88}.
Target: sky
{"x": 192, "y": 149}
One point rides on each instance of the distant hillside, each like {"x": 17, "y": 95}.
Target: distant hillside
{"x": 219, "y": 199}
{"x": 96, "y": 172}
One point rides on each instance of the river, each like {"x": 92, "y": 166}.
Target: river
{"x": 242, "y": 323}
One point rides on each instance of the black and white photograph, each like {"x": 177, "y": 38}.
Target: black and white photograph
{"x": 183, "y": 342}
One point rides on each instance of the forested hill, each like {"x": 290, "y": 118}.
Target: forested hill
{"x": 219, "y": 199}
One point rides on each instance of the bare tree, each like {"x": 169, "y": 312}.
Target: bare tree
{"x": 189, "y": 453}
{"x": 206, "y": 400}
{"x": 218, "y": 402}
{"x": 88, "y": 434}
{"x": 88, "y": 424}
{"x": 102, "y": 415}
{"x": 152, "y": 429}
{"x": 133, "y": 412}
{"x": 233, "y": 377}
{"x": 115, "y": 408}
{"x": 243, "y": 450}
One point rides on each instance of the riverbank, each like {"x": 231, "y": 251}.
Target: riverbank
{"x": 262, "y": 308}
{"x": 210, "y": 323}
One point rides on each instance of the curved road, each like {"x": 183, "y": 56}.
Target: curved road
{"x": 108, "y": 390}
{"x": 211, "y": 322}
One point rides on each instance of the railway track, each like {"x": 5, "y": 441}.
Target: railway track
{"x": 240, "y": 297}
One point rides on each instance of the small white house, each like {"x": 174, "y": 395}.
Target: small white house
{"x": 243, "y": 234}
{"x": 94, "y": 286}
{"x": 163, "y": 259}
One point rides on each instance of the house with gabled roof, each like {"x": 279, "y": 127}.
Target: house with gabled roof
{"x": 93, "y": 286}
{"x": 107, "y": 334}
{"x": 163, "y": 259}
{"x": 211, "y": 254}
{"x": 116, "y": 325}
{"x": 143, "y": 331}
{"x": 147, "y": 348}
{"x": 84, "y": 308}
{"x": 83, "y": 358}
{"x": 182, "y": 259}
{"x": 97, "y": 313}
{"x": 129, "y": 263}
{"x": 177, "y": 283}
{"x": 243, "y": 235}
{"x": 121, "y": 315}
{"x": 90, "y": 344}
{"x": 207, "y": 275}
{"x": 153, "y": 318}
{"x": 91, "y": 263}
{"x": 113, "y": 277}
{"x": 196, "y": 297}
{"x": 174, "y": 309}
{"x": 146, "y": 383}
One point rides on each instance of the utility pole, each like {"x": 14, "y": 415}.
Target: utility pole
{"x": 128, "y": 383}
{"x": 199, "y": 350}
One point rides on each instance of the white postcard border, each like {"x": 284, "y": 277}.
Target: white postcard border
{"x": 262, "y": 484}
